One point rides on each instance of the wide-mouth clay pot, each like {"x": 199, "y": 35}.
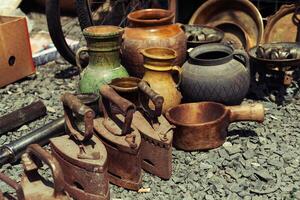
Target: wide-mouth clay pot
{"x": 203, "y": 126}
{"x": 148, "y": 17}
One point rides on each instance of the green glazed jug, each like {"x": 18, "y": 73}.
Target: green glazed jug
{"x": 103, "y": 48}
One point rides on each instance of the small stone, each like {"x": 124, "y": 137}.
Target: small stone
{"x": 209, "y": 197}
{"x": 289, "y": 170}
{"x": 23, "y": 128}
{"x": 205, "y": 166}
{"x": 255, "y": 164}
{"x": 264, "y": 174}
{"x": 249, "y": 154}
{"x": 51, "y": 109}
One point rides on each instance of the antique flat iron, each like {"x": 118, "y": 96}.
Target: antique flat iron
{"x": 157, "y": 133}
{"x": 121, "y": 140}
{"x": 33, "y": 186}
{"x": 82, "y": 155}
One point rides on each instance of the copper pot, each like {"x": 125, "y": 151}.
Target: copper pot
{"x": 151, "y": 28}
{"x": 202, "y": 126}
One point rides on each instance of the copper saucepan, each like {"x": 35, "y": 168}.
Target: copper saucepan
{"x": 202, "y": 126}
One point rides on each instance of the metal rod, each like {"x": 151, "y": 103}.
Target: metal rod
{"x": 12, "y": 152}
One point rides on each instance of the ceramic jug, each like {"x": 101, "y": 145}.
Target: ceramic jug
{"x": 103, "y": 48}
{"x": 159, "y": 65}
{"x": 151, "y": 28}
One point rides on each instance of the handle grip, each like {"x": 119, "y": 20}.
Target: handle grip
{"x": 239, "y": 52}
{"x": 14, "y": 185}
{"x": 179, "y": 71}
{"x": 148, "y": 93}
{"x": 127, "y": 108}
{"x": 251, "y": 112}
{"x": 34, "y": 152}
{"x": 73, "y": 105}
{"x": 77, "y": 57}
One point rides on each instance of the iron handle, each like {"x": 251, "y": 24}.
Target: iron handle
{"x": 72, "y": 104}
{"x": 37, "y": 152}
{"x": 148, "y": 93}
{"x": 127, "y": 108}
{"x": 14, "y": 185}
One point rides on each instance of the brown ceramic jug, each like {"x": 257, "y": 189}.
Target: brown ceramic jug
{"x": 159, "y": 64}
{"x": 151, "y": 28}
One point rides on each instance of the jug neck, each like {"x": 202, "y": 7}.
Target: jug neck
{"x": 211, "y": 54}
{"x": 105, "y": 60}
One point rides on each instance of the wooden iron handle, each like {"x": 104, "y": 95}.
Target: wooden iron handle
{"x": 146, "y": 94}
{"x": 73, "y": 105}
{"x": 35, "y": 153}
{"x": 14, "y": 185}
{"x": 127, "y": 108}
{"x": 250, "y": 112}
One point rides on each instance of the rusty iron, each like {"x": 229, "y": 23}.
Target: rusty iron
{"x": 22, "y": 116}
{"x": 121, "y": 140}
{"x": 82, "y": 155}
{"x": 284, "y": 25}
{"x": 32, "y": 185}
{"x": 202, "y": 126}
{"x": 239, "y": 19}
{"x": 156, "y": 132}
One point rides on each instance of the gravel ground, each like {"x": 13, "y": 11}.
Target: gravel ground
{"x": 258, "y": 161}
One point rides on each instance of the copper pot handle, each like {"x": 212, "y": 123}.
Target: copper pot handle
{"x": 146, "y": 94}
{"x": 77, "y": 57}
{"x": 239, "y": 52}
{"x": 35, "y": 153}
{"x": 14, "y": 185}
{"x": 250, "y": 112}
{"x": 72, "y": 105}
{"x": 126, "y": 107}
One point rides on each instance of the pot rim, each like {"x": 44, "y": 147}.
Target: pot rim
{"x": 210, "y": 62}
{"x": 132, "y": 16}
{"x": 123, "y": 89}
{"x": 218, "y": 120}
{"x": 100, "y": 32}
{"x": 145, "y": 52}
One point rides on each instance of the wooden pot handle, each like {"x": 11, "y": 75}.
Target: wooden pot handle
{"x": 250, "y": 112}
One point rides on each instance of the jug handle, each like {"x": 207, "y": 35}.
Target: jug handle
{"x": 146, "y": 94}
{"x": 30, "y": 159}
{"x": 77, "y": 57}
{"x": 14, "y": 185}
{"x": 239, "y": 52}
{"x": 179, "y": 71}
{"x": 72, "y": 105}
{"x": 126, "y": 107}
{"x": 250, "y": 112}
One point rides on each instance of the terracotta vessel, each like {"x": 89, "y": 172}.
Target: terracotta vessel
{"x": 202, "y": 126}
{"x": 159, "y": 64}
{"x": 103, "y": 47}
{"x": 151, "y": 28}
{"x": 216, "y": 72}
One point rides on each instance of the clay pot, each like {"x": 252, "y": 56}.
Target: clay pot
{"x": 103, "y": 47}
{"x": 151, "y": 28}
{"x": 216, "y": 72}
{"x": 203, "y": 126}
{"x": 159, "y": 64}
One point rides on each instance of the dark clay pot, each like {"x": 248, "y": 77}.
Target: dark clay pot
{"x": 216, "y": 72}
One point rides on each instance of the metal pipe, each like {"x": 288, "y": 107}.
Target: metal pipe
{"x": 11, "y": 152}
